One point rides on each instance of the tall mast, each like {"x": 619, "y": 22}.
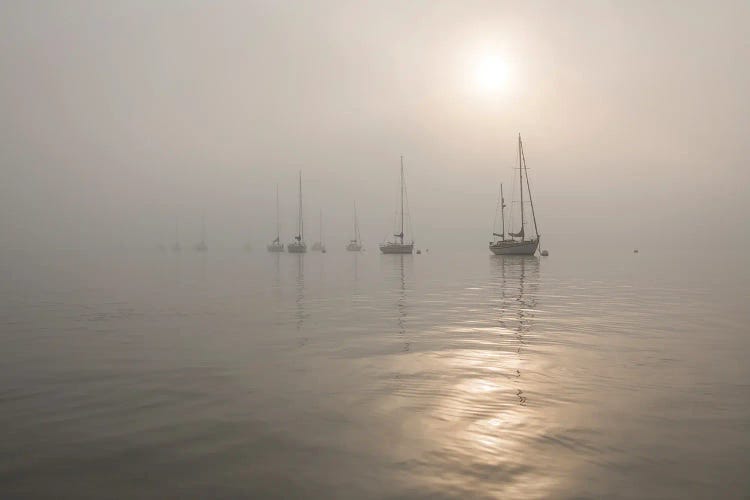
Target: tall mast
{"x": 502, "y": 208}
{"x": 300, "y": 228}
{"x": 401, "y": 236}
{"x": 520, "y": 181}
{"x": 277, "y": 214}
{"x": 356, "y": 226}
{"x": 528, "y": 186}
{"x": 321, "y": 226}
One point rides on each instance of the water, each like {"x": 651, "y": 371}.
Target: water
{"x": 231, "y": 375}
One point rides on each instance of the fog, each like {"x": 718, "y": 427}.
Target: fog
{"x": 120, "y": 119}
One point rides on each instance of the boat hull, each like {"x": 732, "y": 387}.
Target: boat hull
{"x": 397, "y": 248}
{"x": 353, "y": 247}
{"x": 296, "y": 248}
{"x": 514, "y": 247}
{"x": 276, "y": 248}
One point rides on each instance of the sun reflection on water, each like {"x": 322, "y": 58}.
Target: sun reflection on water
{"x": 467, "y": 413}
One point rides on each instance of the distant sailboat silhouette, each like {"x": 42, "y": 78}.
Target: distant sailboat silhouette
{"x": 398, "y": 246}
{"x": 355, "y": 245}
{"x": 201, "y": 245}
{"x": 299, "y": 245}
{"x": 518, "y": 244}
{"x": 276, "y": 245}
{"x": 319, "y": 246}
{"x": 176, "y": 247}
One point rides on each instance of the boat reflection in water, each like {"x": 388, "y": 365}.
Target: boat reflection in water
{"x": 400, "y": 279}
{"x": 518, "y": 296}
{"x": 300, "y": 295}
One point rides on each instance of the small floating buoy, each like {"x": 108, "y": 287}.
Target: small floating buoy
{"x": 635, "y": 251}
{"x": 419, "y": 252}
{"x": 545, "y": 253}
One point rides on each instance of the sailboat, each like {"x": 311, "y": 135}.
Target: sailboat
{"x": 176, "y": 247}
{"x": 319, "y": 246}
{"x": 398, "y": 246}
{"x": 355, "y": 245}
{"x": 276, "y": 245}
{"x": 201, "y": 245}
{"x": 298, "y": 245}
{"x": 517, "y": 243}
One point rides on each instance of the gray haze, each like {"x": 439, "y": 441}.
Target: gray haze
{"x": 118, "y": 118}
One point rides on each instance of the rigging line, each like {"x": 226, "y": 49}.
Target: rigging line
{"x": 513, "y": 203}
{"x": 497, "y": 207}
{"x": 528, "y": 186}
{"x": 408, "y": 211}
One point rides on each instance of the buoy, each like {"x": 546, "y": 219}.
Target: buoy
{"x": 545, "y": 253}
{"x": 419, "y": 252}
{"x": 635, "y": 251}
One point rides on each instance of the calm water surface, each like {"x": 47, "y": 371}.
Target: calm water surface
{"x": 349, "y": 376}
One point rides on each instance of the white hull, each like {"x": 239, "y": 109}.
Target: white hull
{"x": 354, "y": 247}
{"x": 397, "y": 248}
{"x": 296, "y": 248}
{"x": 514, "y": 247}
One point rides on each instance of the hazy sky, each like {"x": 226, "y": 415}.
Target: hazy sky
{"x": 117, "y": 118}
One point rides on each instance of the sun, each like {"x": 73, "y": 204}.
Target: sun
{"x": 491, "y": 73}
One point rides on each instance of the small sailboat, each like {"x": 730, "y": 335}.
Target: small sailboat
{"x": 319, "y": 246}
{"x": 276, "y": 245}
{"x": 201, "y": 245}
{"x": 517, "y": 243}
{"x": 176, "y": 248}
{"x": 298, "y": 245}
{"x": 398, "y": 246}
{"x": 355, "y": 245}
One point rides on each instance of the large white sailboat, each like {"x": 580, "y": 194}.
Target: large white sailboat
{"x": 517, "y": 243}
{"x": 276, "y": 245}
{"x": 355, "y": 245}
{"x": 298, "y": 245}
{"x": 398, "y": 246}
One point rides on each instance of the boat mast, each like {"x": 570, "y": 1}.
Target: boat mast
{"x": 502, "y": 208}
{"x": 520, "y": 181}
{"x": 528, "y": 186}
{"x": 356, "y": 225}
{"x": 300, "y": 228}
{"x": 401, "y": 236}
{"x": 321, "y": 227}
{"x": 278, "y": 235}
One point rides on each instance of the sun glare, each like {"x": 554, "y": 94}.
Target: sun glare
{"x": 491, "y": 74}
